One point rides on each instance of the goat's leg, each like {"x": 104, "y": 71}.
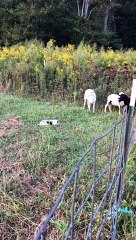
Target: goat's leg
{"x": 119, "y": 109}
{"x": 84, "y": 103}
{"x": 109, "y": 108}
{"x": 94, "y": 107}
{"x": 89, "y": 106}
{"x": 106, "y": 107}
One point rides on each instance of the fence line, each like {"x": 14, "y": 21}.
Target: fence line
{"x": 75, "y": 174}
{"x": 102, "y": 217}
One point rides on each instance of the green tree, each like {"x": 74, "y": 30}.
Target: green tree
{"x": 126, "y": 23}
{"x": 108, "y": 23}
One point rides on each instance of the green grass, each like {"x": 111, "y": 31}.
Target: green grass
{"x": 52, "y": 145}
{"x": 37, "y": 160}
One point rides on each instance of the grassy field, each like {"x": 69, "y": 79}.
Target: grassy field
{"x": 35, "y": 161}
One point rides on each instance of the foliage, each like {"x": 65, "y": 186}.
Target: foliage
{"x": 69, "y": 21}
{"x": 126, "y": 20}
{"x": 127, "y": 223}
{"x": 68, "y": 70}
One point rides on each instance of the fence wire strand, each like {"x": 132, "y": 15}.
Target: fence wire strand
{"x": 103, "y": 216}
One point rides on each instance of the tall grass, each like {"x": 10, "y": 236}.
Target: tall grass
{"x": 69, "y": 70}
{"x": 37, "y": 160}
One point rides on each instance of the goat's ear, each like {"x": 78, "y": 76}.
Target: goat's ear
{"x": 121, "y": 93}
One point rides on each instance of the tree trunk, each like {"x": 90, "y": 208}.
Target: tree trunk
{"x": 78, "y": 8}
{"x": 86, "y": 8}
{"x": 106, "y": 18}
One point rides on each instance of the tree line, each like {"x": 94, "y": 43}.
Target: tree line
{"x": 108, "y": 23}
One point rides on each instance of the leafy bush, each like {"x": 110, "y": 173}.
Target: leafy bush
{"x": 68, "y": 70}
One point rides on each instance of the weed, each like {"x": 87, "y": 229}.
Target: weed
{"x": 35, "y": 162}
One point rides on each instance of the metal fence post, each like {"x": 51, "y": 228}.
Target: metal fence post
{"x": 130, "y": 120}
{"x": 124, "y": 155}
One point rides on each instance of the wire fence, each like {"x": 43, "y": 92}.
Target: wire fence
{"x": 88, "y": 203}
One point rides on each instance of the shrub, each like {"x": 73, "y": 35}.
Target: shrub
{"x": 68, "y": 70}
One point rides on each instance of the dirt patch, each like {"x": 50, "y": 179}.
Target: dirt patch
{"x": 25, "y": 200}
{"x": 26, "y": 197}
{"x": 9, "y": 126}
{"x": 2, "y": 89}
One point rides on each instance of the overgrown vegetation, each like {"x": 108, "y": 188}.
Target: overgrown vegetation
{"x": 68, "y": 70}
{"x": 35, "y": 161}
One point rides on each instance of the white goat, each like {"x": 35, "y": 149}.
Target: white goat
{"x": 90, "y": 98}
{"x": 113, "y": 100}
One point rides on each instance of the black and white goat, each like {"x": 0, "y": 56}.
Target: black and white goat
{"x": 120, "y": 100}
{"x": 124, "y": 99}
{"x": 90, "y": 98}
